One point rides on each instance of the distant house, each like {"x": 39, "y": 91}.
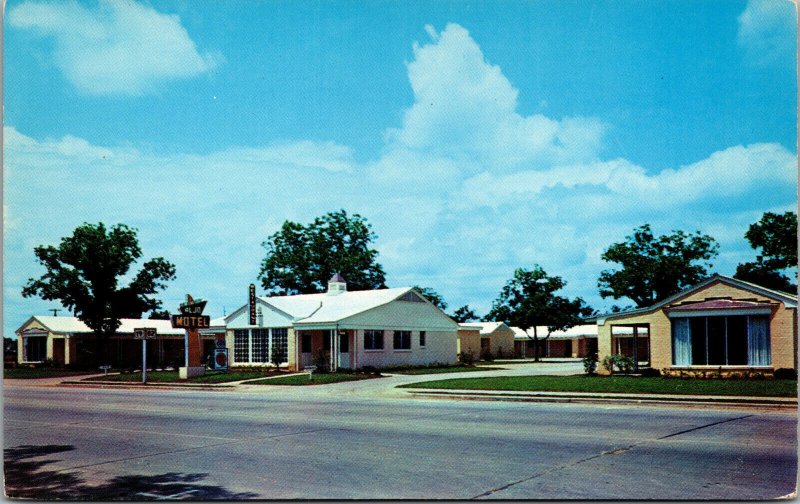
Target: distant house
{"x": 479, "y": 338}
{"x": 69, "y": 342}
{"x": 350, "y": 329}
{"x": 576, "y": 342}
{"x": 719, "y": 325}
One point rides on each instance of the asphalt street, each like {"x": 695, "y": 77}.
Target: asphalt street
{"x": 334, "y": 442}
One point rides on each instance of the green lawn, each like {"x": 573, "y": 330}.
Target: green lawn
{"x": 629, "y": 384}
{"x": 456, "y": 368}
{"x": 28, "y": 373}
{"x": 318, "y": 379}
{"x": 172, "y": 377}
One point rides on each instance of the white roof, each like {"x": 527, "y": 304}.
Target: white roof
{"x": 74, "y": 325}
{"x": 484, "y": 327}
{"x": 583, "y": 330}
{"x": 324, "y": 308}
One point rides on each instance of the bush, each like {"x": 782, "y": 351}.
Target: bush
{"x": 625, "y": 364}
{"x": 277, "y": 355}
{"x": 487, "y": 356}
{"x": 499, "y": 352}
{"x": 650, "y": 372}
{"x": 590, "y": 363}
{"x": 466, "y": 358}
{"x": 608, "y": 363}
{"x": 785, "y": 374}
{"x": 322, "y": 361}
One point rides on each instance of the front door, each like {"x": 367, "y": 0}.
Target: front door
{"x": 344, "y": 350}
{"x": 306, "y": 356}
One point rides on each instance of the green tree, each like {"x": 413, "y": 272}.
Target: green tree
{"x": 432, "y": 296}
{"x": 654, "y": 268}
{"x": 776, "y": 236}
{"x": 465, "y": 314}
{"x": 84, "y": 274}
{"x": 160, "y": 315}
{"x": 529, "y": 300}
{"x": 300, "y": 259}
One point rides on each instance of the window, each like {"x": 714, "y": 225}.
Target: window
{"x": 402, "y": 340}
{"x": 422, "y": 338}
{"x": 35, "y": 348}
{"x": 373, "y": 340}
{"x": 721, "y": 341}
{"x": 241, "y": 345}
{"x": 280, "y": 340}
{"x": 344, "y": 343}
{"x": 306, "y": 343}
{"x": 260, "y": 344}
{"x": 411, "y": 297}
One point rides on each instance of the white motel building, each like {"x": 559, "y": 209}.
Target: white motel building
{"x": 352, "y": 329}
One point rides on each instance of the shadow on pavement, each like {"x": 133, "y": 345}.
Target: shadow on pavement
{"x": 29, "y": 479}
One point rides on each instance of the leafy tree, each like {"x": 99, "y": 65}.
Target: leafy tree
{"x": 160, "y": 315}
{"x": 529, "y": 300}
{"x": 84, "y": 271}
{"x": 432, "y": 296}
{"x": 654, "y": 268}
{"x": 300, "y": 259}
{"x": 465, "y": 314}
{"x": 776, "y": 236}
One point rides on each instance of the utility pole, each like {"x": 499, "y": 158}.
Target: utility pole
{"x": 55, "y": 311}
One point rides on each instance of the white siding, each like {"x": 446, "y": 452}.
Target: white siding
{"x": 271, "y": 318}
{"x": 402, "y": 315}
{"x": 440, "y": 346}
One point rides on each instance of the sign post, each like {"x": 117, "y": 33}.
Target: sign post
{"x": 192, "y": 320}
{"x": 144, "y": 334}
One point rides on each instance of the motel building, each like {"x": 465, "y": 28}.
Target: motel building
{"x": 67, "y": 341}
{"x": 352, "y": 329}
{"x": 577, "y": 341}
{"x": 720, "y": 326}
{"x": 479, "y": 338}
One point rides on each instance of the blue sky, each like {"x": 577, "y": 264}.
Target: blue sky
{"x": 476, "y": 137}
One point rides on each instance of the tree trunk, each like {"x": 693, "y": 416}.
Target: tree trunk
{"x": 535, "y": 345}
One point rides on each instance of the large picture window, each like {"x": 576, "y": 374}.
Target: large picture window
{"x": 241, "y": 345}
{"x": 35, "y": 348}
{"x": 402, "y": 340}
{"x": 260, "y": 345}
{"x": 373, "y": 340}
{"x": 280, "y": 340}
{"x": 736, "y": 340}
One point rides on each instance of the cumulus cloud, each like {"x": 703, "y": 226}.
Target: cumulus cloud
{"x": 768, "y": 31}
{"x": 118, "y": 48}
{"x": 465, "y": 109}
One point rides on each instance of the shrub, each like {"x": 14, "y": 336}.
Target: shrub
{"x": 369, "y": 369}
{"x": 625, "y": 364}
{"x": 487, "y": 356}
{"x": 499, "y": 352}
{"x": 466, "y": 358}
{"x": 277, "y": 355}
{"x": 590, "y": 363}
{"x": 785, "y": 374}
{"x": 322, "y": 360}
{"x": 608, "y": 363}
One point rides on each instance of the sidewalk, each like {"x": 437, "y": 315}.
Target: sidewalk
{"x": 601, "y": 397}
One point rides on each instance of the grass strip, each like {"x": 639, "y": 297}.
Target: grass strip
{"x": 29, "y": 373}
{"x": 621, "y": 384}
{"x": 438, "y": 369}
{"x": 172, "y": 377}
{"x": 317, "y": 379}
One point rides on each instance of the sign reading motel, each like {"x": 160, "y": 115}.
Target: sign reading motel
{"x": 191, "y": 321}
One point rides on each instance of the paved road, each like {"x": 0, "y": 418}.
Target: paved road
{"x": 338, "y": 443}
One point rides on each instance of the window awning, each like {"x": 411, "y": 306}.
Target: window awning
{"x": 719, "y": 307}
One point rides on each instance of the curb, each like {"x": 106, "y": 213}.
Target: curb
{"x": 134, "y": 385}
{"x": 773, "y": 402}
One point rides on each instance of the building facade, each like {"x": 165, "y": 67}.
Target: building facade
{"x": 722, "y": 325}
{"x": 341, "y": 329}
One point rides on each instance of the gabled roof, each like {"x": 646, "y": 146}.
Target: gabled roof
{"x": 325, "y": 308}
{"x": 485, "y": 328}
{"x": 789, "y": 300}
{"x": 74, "y": 325}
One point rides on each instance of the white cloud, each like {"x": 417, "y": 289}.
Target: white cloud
{"x": 451, "y": 214}
{"x": 768, "y": 31}
{"x": 465, "y": 109}
{"x": 119, "y": 48}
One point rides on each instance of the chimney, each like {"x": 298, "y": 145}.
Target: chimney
{"x": 336, "y": 285}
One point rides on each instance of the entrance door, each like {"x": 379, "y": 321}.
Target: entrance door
{"x": 306, "y": 357}
{"x": 344, "y": 350}
{"x": 58, "y": 352}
